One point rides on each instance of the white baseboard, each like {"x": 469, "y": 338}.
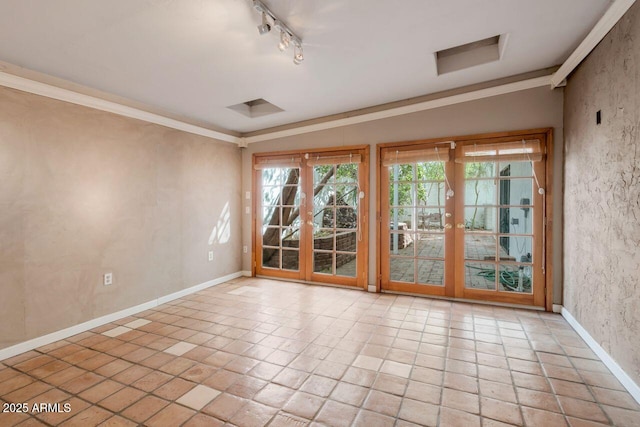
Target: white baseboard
{"x": 615, "y": 369}
{"x": 22, "y": 347}
{"x": 371, "y": 288}
{"x": 246, "y": 273}
{"x": 557, "y": 308}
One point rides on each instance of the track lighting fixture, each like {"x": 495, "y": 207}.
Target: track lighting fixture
{"x": 265, "y": 27}
{"x": 287, "y": 37}
{"x": 298, "y": 56}
{"x": 284, "y": 41}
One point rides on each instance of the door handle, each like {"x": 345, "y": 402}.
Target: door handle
{"x": 448, "y": 226}
{"x": 459, "y": 225}
{"x": 447, "y": 214}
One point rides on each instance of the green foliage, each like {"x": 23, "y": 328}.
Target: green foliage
{"x": 427, "y": 175}
{"x": 476, "y": 170}
{"x": 341, "y": 187}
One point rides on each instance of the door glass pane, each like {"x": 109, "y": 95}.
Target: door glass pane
{"x": 480, "y": 246}
{"x": 515, "y": 191}
{"x": 290, "y": 195}
{"x": 323, "y": 262}
{"x": 402, "y": 269}
{"x": 480, "y": 219}
{"x": 430, "y": 171}
{"x": 292, "y": 231}
{"x": 271, "y": 257}
{"x": 324, "y": 217}
{"x": 479, "y": 170}
{"x": 516, "y": 248}
{"x": 515, "y": 278}
{"x": 347, "y": 173}
{"x": 270, "y": 195}
{"x": 401, "y": 243}
{"x": 480, "y": 275}
{"x": 401, "y": 172}
{"x": 517, "y": 168}
{"x": 347, "y": 241}
{"x": 346, "y": 195}
{"x": 516, "y": 220}
{"x": 346, "y": 264}
{"x": 430, "y": 194}
{"x": 402, "y": 218}
{"x": 325, "y": 195}
{"x": 401, "y": 194}
{"x": 430, "y": 272}
{"x": 323, "y": 174}
{"x": 324, "y": 239}
{"x": 268, "y": 215}
{"x": 430, "y": 219}
{"x": 430, "y": 245}
{"x": 271, "y": 236}
{"x": 346, "y": 218}
{"x": 480, "y": 192}
{"x": 290, "y": 260}
{"x": 290, "y": 237}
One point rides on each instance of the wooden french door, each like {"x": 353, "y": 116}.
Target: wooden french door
{"x": 310, "y": 221}
{"x": 464, "y": 218}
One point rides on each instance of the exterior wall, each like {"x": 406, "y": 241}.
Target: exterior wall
{"x": 534, "y": 108}
{"x": 602, "y": 194}
{"x": 84, "y": 192}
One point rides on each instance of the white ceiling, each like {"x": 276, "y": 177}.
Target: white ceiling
{"x": 193, "y": 58}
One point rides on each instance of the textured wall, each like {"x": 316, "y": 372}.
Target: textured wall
{"x": 534, "y": 108}
{"x": 602, "y": 194}
{"x": 84, "y": 192}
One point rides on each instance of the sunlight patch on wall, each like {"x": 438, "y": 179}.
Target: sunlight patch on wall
{"x": 221, "y": 232}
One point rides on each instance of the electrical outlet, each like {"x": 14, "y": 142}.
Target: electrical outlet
{"x": 245, "y": 249}
{"x": 247, "y": 195}
{"x": 210, "y": 255}
{"x": 107, "y": 279}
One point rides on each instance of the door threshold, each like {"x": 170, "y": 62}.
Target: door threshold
{"x": 305, "y": 282}
{"x": 469, "y": 301}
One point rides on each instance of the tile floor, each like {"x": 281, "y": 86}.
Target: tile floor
{"x": 254, "y": 352}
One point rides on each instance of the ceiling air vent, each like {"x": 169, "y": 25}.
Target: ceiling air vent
{"x": 470, "y": 54}
{"x": 255, "y": 108}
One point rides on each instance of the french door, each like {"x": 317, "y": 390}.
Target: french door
{"x": 465, "y": 218}
{"x": 311, "y": 222}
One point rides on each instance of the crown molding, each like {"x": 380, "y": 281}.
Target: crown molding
{"x": 55, "y": 92}
{"x": 610, "y": 18}
{"x": 407, "y": 109}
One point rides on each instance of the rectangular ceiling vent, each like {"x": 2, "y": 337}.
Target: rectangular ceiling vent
{"x": 255, "y": 108}
{"x": 470, "y": 54}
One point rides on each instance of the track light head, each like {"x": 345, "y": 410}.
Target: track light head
{"x": 265, "y": 27}
{"x": 285, "y": 40}
{"x": 298, "y": 56}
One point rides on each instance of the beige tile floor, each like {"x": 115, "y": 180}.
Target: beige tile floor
{"x": 254, "y": 352}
